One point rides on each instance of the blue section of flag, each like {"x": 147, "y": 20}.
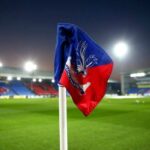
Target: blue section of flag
{"x": 72, "y": 41}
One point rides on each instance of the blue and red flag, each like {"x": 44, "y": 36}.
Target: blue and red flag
{"x": 81, "y": 66}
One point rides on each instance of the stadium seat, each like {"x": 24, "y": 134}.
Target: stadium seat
{"x": 20, "y": 89}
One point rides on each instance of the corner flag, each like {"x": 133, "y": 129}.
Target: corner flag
{"x": 81, "y": 66}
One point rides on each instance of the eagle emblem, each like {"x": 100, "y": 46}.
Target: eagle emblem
{"x": 83, "y": 61}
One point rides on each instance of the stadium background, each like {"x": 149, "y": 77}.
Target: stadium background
{"x": 18, "y": 82}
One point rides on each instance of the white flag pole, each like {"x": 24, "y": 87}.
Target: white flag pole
{"x": 63, "y": 118}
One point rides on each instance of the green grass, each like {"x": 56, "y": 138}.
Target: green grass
{"x": 114, "y": 125}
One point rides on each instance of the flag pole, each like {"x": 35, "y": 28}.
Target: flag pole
{"x": 63, "y": 118}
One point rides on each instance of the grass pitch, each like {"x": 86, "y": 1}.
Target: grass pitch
{"x": 32, "y": 124}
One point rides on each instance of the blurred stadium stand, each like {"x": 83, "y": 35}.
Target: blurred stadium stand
{"x": 15, "y": 81}
{"x": 5, "y": 89}
{"x": 20, "y": 89}
{"x": 136, "y": 82}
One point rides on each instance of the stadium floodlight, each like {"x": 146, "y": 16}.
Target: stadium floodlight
{"x": 34, "y": 80}
{"x": 18, "y": 78}
{"x": 30, "y": 66}
{"x": 40, "y": 80}
{"x": 120, "y": 49}
{"x": 139, "y": 74}
{"x": 1, "y": 64}
{"x": 133, "y": 75}
{"x": 9, "y": 78}
{"x": 53, "y": 81}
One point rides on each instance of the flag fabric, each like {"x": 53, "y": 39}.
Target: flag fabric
{"x": 81, "y": 66}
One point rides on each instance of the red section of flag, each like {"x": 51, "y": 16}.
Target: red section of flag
{"x": 95, "y": 83}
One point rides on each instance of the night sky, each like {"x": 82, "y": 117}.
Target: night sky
{"x": 28, "y": 29}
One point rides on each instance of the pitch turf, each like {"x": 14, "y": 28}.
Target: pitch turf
{"x": 114, "y": 125}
